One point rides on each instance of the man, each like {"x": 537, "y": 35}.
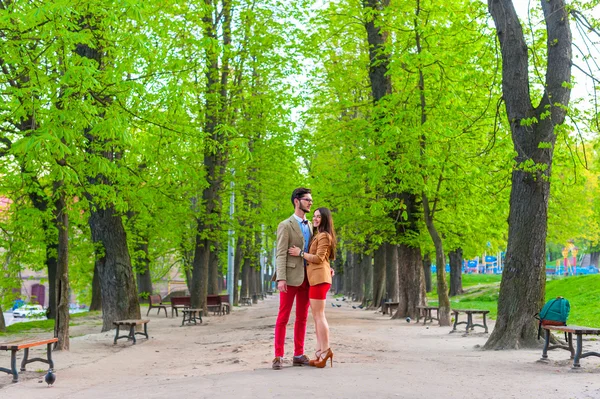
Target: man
{"x": 292, "y": 282}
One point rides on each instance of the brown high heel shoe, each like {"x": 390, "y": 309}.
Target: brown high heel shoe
{"x": 328, "y": 354}
{"x": 312, "y": 362}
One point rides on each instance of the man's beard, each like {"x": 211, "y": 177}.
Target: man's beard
{"x": 304, "y": 210}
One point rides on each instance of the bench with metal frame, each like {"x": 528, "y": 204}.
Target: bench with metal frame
{"x": 26, "y": 344}
{"x": 576, "y": 354}
{"x": 132, "y": 324}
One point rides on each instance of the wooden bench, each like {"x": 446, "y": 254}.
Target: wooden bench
{"x": 225, "y": 304}
{"x": 214, "y": 304}
{"x": 470, "y": 325}
{"x": 180, "y": 302}
{"x": 191, "y": 315}
{"x": 25, "y": 344}
{"x": 131, "y": 324}
{"x": 246, "y": 301}
{"x": 155, "y": 302}
{"x": 426, "y": 311}
{"x": 576, "y": 354}
{"x": 389, "y": 307}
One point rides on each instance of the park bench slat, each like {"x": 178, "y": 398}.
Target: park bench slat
{"x": 574, "y": 329}
{"x": 130, "y": 322}
{"x": 23, "y": 344}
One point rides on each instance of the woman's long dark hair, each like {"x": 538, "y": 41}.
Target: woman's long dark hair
{"x": 326, "y": 226}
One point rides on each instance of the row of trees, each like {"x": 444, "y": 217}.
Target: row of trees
{"x": 121, "y": 125}
{"x": 413, "y": 151}
{"x": 126, "y": 126}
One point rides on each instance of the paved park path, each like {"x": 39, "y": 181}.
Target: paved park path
{"x": 230, "y": 357}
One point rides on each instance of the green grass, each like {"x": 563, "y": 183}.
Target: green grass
{"x": 44, "y": 325}
{"x": 583, "y": 293}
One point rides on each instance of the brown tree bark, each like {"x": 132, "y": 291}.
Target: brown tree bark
{"x": 237, "y": 264}
{"x": 379, "y": 278}
{"x": 349, "y": 273}
{"x": 245, "y": 288}
{"x": 117, "y": 280}
{"x": 358, "y": 280}
{"x": 366, "y": 266}
{"x": 61, "y": 325}
{"x": 456, "y": 261}
{"x": 144, "y": 277}
{"x": 96, "y": 303}
{"x": 427, "y": 271}
{"x": 532, "y": 128}
{"x": 213, "y": 272}
{"x": 391, "y": 272}
{"x": 411, "y": 282}
{"x": 2, "y": 322}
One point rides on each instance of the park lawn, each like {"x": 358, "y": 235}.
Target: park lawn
{"x": 45, "y": 325}
{"x": 583, "y": 293}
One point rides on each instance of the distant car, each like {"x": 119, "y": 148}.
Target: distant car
{"x": 29, "y": 311}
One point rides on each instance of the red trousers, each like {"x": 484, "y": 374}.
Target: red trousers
{"x": 286, "y": 302}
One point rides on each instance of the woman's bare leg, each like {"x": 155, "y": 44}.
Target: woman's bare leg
{"x": 321, "y": 325}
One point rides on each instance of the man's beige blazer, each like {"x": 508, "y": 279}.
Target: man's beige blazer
{"x": 289, "y": 268}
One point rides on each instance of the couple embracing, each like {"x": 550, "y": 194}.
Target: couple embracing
{"x": 304, "y": 274}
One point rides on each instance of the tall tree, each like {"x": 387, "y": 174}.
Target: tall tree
{"x": 534, "y": 130}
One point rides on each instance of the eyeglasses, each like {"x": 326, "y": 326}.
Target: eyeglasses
{"x": 309, "y": 200}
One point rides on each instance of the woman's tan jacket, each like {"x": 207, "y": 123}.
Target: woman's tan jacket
{"x": 319, "y": 253}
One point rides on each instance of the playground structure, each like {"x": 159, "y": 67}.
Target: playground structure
{"x": 569, "y": 265}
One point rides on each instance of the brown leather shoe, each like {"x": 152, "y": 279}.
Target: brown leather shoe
{"x": 278, "y": 363}
{"x": 301, "y": 360}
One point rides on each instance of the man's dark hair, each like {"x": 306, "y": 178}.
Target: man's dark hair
{"x": 299, "y": 193}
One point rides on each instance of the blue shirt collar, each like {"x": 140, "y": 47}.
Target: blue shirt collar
{"x": 298, "y": 218}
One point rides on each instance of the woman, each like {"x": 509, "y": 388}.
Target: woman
{"x": 321, "y": 250}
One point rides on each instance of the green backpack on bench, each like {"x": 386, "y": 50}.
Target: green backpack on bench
{"x": 554, "y": 313}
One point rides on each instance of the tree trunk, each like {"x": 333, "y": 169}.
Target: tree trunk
{"x": 532, "y": 128}
{"x": 199, "y": 289}
{"x": 456, "y": 262}
{"x": 391, "y": 272}
{"x": 411, "y": 286}
{"x": 379, "y": 278}
{"x": 440, "y": 262}
{"x": 348, "y": 274}
{"x": 213, "y": 272}
{"x": 358, "y": 288}
{"x": 245, "y": 288}
{"x": 96, "y": 303}
{"x": 429, "y": 213}
{"x": 594, "y": 256}
{"x": 51, "y": 267}
{"x": 237, "y": 269}
{"x": 215, "y": 98}
{"x": 427, "y": 272}
{"x": 144, "y": 278}
{"x": 41, "y": 204}
{"x": 61, "y": 325}
{"x": 117, "y": 281}
{"x": 366, "y": 265}
{"x": 2, "y": 322}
